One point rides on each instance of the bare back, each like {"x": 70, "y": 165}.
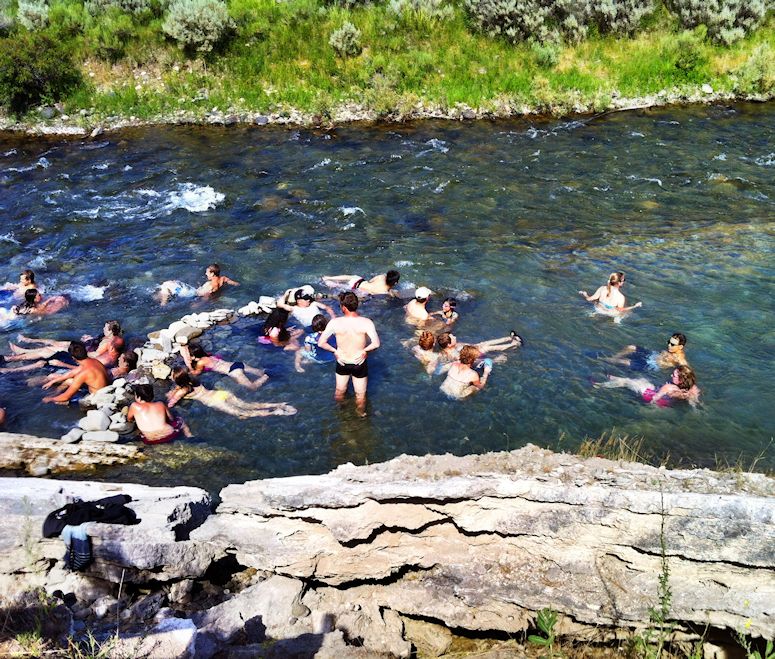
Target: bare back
{"x": 152, "y": 419}
{"x": 352, "y": 335}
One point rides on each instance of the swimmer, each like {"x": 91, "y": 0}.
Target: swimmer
{"x": 218, "y": 399}
{"x": 462, "y": 380}
{"x": 154, "y": 420}
{"x": 447, "y": 314}
{"x": 198, "y": 362}
{"x": 608, "y": 299}
{"x": 274, "y": 331}
{"x": 26, "y": 282}
{"x": 309, "y": 351}
{"x": 641, "y": 359}
{"x": 377, "y": 285}
{"x": 682, "y": 386}
{"x": 215, "y": 281}
{"x": 415, "y": 312}
{"x": 424, "y": 353}
{"x": 34, "y": 304}
{"x": 356, "y": 337}
{"x": 300, "y": 303}
{"x": 106, "y": 350}
{"x": 89, "y": 372}
{"x": 449, "y": 348}
{"x": 127, "y": 363}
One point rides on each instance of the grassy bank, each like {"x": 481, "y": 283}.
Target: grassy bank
{"x": 279, "y": 58}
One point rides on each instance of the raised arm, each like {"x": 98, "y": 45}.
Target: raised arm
{"x": 283, "y": 301}
{"x": 592, "y": 298}
{"x": 328, "y": 309}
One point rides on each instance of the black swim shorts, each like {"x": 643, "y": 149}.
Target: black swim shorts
{"x": 356, "y": 370}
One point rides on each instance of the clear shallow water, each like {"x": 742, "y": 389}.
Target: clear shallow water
{"x": 512, "y": 217}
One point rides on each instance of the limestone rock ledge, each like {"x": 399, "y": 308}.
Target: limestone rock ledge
{"x": 375, "y": 560}
{"x": 483, "y": 542}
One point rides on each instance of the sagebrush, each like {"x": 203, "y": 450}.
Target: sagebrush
{"x": 727, "y": 20}
{"x": 198, "y": 25}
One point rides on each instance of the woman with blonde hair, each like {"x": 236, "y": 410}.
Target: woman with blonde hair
{"x": 608, "y": 299}
{"x": 682, "y": 386}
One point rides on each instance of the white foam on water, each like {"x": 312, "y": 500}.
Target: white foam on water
{"x": 43, "y": 163}
{"x": 440, "y": 187}
{"x": 127, "y": 168}
{"x": 40, "y": 260}
{"x": 9, "y": 238}
{"x": 102, "y": 165}
{"x": 12, "y": 152}
{"x": 636, "y": 134}
{"x": 720, "y": 156}
{"x": 86, "y": 293}
{"x": 351, "y": 210}
{"x": 194, "y": 198}
{"x": 242, "y": 239}
{"x": 91, "y": 213}
{"x": 323, "y": 163}
{"x": 765, "y": 161}
{"x": 403, "y": 264}
{"x": 7, "y": 317}
{"x": 646, "y": 179}
{"x": 147, "y": 193}
{"x": 347, "y": 227}
{"x": 436, "y": 145}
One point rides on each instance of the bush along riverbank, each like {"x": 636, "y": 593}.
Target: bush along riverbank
{"x": 79, "y": 65}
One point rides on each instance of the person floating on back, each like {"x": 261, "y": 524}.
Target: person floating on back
{"x": 215, "y": 281}
{"x": 377, "y": 285}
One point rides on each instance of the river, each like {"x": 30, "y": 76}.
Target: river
{"x": 510, "y": 217}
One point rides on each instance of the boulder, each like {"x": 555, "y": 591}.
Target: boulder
{"x": 94, "y": 420}
{"x": 173, "y": 638}
{"x": 72, "y": 436}
{"x": 101, "y": 436}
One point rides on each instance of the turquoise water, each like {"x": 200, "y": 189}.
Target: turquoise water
{"x": 511, "y": 217}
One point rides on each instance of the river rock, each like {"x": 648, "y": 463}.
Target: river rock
{"x": 104, "y": 606}
{"x": 47, "y": 112}
{"x": 484, "y": 542}
{"x": 101, "y": 436}
{"x": 21, "y": 452}
{"x": 161, "y": 371}
{"x": 72, "y": 436}
{"x": 94, "y": 420}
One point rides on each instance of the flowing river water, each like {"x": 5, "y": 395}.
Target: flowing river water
{"x": 511, "y": 217}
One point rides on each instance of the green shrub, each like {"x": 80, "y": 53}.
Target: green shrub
{"x": 111, "y": 34}
{"x": 33, "y": 14}
{"x": 726, "y": 20}
{"x": 757, "y": 74}
{"x": 98, "y": 7}
{"x": 620, "y": 16}
{"x": 198, "y": 25}
{"x": 547, "y": 55}
{"x": 68, "y": 19}
{"x": 689, "y": 54}
{"x": 346, "y": 41}
{"x": 435, "y": 10}
{"x": 35, "y": 68}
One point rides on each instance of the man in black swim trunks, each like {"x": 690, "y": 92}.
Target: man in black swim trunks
{"x": 356, "y": 336}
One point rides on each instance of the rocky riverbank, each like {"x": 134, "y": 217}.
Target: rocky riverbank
{"x": 386, "y": 559}
{"x": 54, "y": 121}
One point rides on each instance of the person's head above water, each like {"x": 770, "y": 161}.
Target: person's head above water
{"x": 468, "y": 355}
{"x": 422, "y": 294}
{"x": 129, "y": 360}
{"x": 449, "y": 304}
{"x": 27, "y": 277}
{"x": 348, "y": 300}
{"x": 305, "y": 294}
{"x": 114, "y": 327}
{"x": 77, "y": 350}
{"x": 197, "y": 351}
{"x": 181, "y": 377}
{"x": 143, "y": 392}
{"x": 214, "y": 269}
{"x": 31, "y": 297}
{"x": 445, "y": 340}
{"x": 319, "y": 322}
{"x": 615, "y": 279}
{"x": 684, "y": 378}
{"x": 676, "y": 341}
{"x": 426, "y": 341}
{"x": 392, "y": 277}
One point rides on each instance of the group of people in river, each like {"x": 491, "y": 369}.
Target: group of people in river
{"x": 346, "y": 340}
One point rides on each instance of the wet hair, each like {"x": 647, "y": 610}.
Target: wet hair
{"x": 614, "y": 279}
{"x": 301, "y": 294}
{"x": 215, "y": 269}
{"x": 451, "y": 301}
{"x": 197, "y": 351}
{"x": 29, "y": 274}
{"x": 77, "y": 350}
{"x": 144, "y": 392}
{"x": 348, "y": 300}
{"x": 681, "y": 338}
{"x": 468, "y": 355}
{"x": 392, "y": 277}
{"x": 686, "y": 377}
{"x": 319, "y": 322}
{"x": 182, "y": 378}
{"x": 114, "y": 326}
{"x": 30, "y": 297}
{"x": 444, "y": 340}
{"x": 426, "y": 341}
{"x": 130, "y": 357}
{"x": 276, "y": 320}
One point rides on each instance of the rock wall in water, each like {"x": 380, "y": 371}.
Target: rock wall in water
{"x": 355, "y": 560}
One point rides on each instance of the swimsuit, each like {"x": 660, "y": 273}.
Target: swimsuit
{"x": 177, "y": 427}
{"x": 311, "y": 352}
{"x": 178, "y": 288}
{"x": 643, "y": 360}
{"x": 357, "y": 282}
{"x": 237, "y": 366}
{"x": 648, "y": 396}
{"x": 355, "y": 370}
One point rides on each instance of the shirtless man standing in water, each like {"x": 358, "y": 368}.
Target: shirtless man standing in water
{"x": 356, "y": 336}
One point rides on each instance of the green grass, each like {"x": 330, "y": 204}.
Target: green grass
{"x": 280, "y": 58}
